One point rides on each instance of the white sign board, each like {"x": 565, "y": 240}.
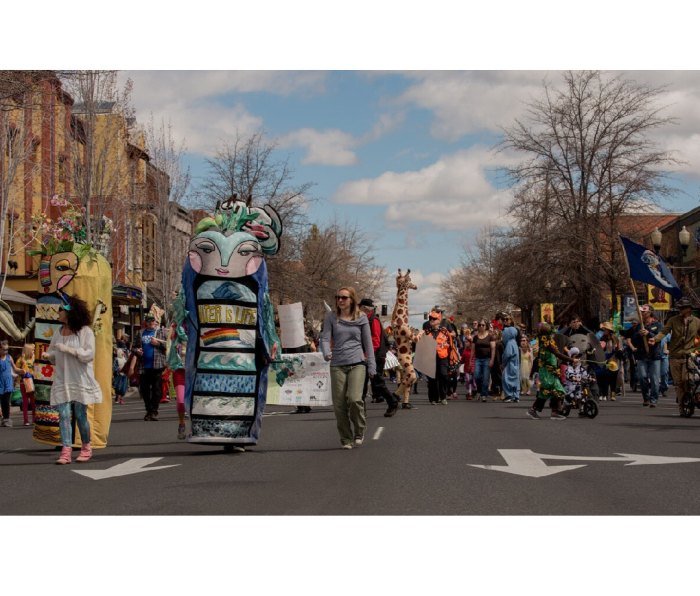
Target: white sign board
{"x": 309, "y": 385}
{"x": 292, "y": 325}
{"x": 426, "y": 356}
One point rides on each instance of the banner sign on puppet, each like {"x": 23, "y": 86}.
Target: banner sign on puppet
{"x": 308, "y": 385}
{"x": 648, "y": 267}
{"x": 216, "y": 314}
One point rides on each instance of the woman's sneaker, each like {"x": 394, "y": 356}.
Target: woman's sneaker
{"x": 181, "y": 431}
{"x": 532, "y": 413}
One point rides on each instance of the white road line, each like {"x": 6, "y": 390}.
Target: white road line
{"x": 378, "y": 433}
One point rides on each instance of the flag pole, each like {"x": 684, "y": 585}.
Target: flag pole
{"x": 634, "y": 292}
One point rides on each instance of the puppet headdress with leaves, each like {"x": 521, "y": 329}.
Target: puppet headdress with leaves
{"x": 232, "y": 216}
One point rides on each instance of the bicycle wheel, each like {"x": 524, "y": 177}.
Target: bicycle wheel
{"x": 687, "y": 406}
{"x": 590, "y": 408}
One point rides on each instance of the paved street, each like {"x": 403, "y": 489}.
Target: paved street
{"x": 421, "y": 462}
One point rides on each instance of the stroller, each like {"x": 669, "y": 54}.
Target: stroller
{"x": 691, "y": 398}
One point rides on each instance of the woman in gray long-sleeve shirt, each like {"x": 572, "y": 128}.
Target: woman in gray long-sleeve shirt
{"x": 346, "y": 341}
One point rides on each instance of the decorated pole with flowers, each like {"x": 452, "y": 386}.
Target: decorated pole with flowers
{"x": 69, "y": 267}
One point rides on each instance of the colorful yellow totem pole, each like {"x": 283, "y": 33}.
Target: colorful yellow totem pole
{"x": 74, "y": 269}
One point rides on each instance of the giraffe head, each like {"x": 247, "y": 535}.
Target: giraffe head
{"x": 404, "y": 283}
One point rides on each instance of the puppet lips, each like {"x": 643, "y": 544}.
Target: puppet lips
{"x": 253, "y": 265}
{"x": 222, "y": 271}
{"x": 258, "y": 231}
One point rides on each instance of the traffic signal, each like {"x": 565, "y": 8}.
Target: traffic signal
{"x": 384, "y": 310}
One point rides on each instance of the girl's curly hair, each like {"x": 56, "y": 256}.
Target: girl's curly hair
{"x": 77, "y": 316}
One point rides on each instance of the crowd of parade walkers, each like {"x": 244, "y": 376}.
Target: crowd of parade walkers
{"x": 497, "y": 360}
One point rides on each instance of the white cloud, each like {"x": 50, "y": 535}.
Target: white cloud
{"x": 468, "y": 102}
{"x": 334, "y": 147}
{"x": 386, "y": 123}
{"x": 325, "y": 147}
{"x": 195, "y": 101}
{"x": 453, "y": 192}
{"x": 155, "y": 88}
{"x": 206, "y": 126}
{"x": 472, "y": 101}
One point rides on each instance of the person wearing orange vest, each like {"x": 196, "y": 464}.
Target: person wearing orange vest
{"x": 437, "y": 387}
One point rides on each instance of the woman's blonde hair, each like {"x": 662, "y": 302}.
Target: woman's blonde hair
{"x": 355, "y": 311}
{"x": 28, "y": 350}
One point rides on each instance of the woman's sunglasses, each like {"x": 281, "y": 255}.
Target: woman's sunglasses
{"x": 342, "y": 297}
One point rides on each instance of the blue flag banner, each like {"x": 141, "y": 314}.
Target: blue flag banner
{"x": 648, "y": 267}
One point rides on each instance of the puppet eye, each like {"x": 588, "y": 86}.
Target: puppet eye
{"x": 206, "y": 247}
{"x": 248, "y": 249}
{"x": 63, "y": 266}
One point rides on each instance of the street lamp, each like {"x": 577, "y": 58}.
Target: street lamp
{"x": 683, "y": 240}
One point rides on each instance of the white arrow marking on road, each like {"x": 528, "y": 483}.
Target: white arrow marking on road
{"x": 643, "y": 460}
{"x": 132, "y": 466}
{"x": 525, "y": 462}
{"x": 378, "y": 433}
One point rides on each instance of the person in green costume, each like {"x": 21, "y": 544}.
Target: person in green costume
{"x": 550, "y": 387}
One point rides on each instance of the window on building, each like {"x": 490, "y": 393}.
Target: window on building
{"x": 148, "y": 239}
{"x": 61, "y": 168}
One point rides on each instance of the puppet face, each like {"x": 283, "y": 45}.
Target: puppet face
{"x": 237, "y": 255}
{"x": 56, "y": 271}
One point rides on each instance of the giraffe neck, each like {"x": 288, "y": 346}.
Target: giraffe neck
{"x": 400, "y": 322}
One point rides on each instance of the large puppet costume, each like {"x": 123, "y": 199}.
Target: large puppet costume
{"x": 229, "y": 320}
{"x": 70, "y": 268}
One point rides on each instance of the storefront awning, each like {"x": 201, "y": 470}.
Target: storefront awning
{"x": 10, "y": 295}
{"x": 127, "y": 295}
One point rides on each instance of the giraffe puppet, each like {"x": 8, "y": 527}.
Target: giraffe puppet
{"x": 404, "y": 336}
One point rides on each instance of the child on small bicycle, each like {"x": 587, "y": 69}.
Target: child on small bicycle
{"x": 576, "y": 376}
